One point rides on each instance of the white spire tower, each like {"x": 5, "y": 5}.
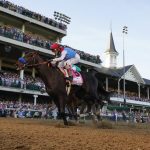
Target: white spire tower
{"x": 111, "y": 53}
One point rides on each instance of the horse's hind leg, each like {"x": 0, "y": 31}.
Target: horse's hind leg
{"x": 96, "y": 112}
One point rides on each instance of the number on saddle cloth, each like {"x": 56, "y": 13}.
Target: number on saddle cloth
{"x": 75, "y": 73}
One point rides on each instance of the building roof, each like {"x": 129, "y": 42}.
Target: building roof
{"x": 147, "y": 82}
{"x": 120, "y": 71}
{"x": 131, "y": 73}
{"x": 107, "y": 71}
{"x": 117, "y": 72}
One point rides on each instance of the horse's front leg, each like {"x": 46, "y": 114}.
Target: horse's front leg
{"x": 61, "y": 109}
{"x": 72, "y": 106}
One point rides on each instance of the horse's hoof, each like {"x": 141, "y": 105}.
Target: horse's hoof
{"x": 66, "y": 123}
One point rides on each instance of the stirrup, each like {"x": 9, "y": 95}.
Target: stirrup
{"x": 70, "y": 78}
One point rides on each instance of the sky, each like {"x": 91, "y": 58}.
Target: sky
{"x": 92, "y": 21}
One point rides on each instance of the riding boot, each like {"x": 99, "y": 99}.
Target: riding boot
{"x": 70, "y": 78}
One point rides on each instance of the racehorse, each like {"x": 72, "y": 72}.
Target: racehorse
{"x": 55, "y": 84}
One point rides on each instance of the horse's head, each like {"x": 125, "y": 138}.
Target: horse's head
{"x": 28, "y": 60}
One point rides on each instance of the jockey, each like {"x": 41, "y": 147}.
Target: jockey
{"x": 68, "y": 57}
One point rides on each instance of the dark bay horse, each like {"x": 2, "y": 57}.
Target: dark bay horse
{"x": 55, "y": 84}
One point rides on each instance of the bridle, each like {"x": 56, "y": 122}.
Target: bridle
{"x": 26, "y": 62}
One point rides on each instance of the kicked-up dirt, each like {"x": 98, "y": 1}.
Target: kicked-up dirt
{"x": 32, "y": 134}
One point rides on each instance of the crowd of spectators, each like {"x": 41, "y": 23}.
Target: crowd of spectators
{"x": 11, "y": 106}
{"x": 130, "y": 96}
{"x": 18, "y": 109}
{"x": 28, "y": 13}
{"x": 11, "y": 79}
{"x": 127, "y": 116}
{"x": 36, "y": 40}
{"x": 17, "y": 34}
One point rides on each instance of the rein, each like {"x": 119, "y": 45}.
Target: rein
{"x": 38, "y": 64}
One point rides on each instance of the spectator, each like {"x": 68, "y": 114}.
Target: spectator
{"x": 124, "y": 116}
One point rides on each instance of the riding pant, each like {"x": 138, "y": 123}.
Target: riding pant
{"x": 68, "y": 63}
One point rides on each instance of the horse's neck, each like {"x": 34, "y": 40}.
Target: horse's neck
{"x": 42, "y": 68}
{"x": 46, "y": 72}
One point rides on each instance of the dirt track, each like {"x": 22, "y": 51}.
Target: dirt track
{"x": 31, "y": 134}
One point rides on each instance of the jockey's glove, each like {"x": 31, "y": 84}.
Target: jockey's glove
{"x": 53, "y": 62}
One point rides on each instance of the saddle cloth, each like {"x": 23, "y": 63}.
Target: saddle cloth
{"x": 77, "y": 78}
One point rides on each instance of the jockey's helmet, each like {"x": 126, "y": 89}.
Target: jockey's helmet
{"x": 55, "y": 47}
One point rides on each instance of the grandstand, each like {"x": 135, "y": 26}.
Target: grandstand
{"x": 22, "y": 30}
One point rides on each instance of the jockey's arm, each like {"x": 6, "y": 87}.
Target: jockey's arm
{"x": 63, "y": 54}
